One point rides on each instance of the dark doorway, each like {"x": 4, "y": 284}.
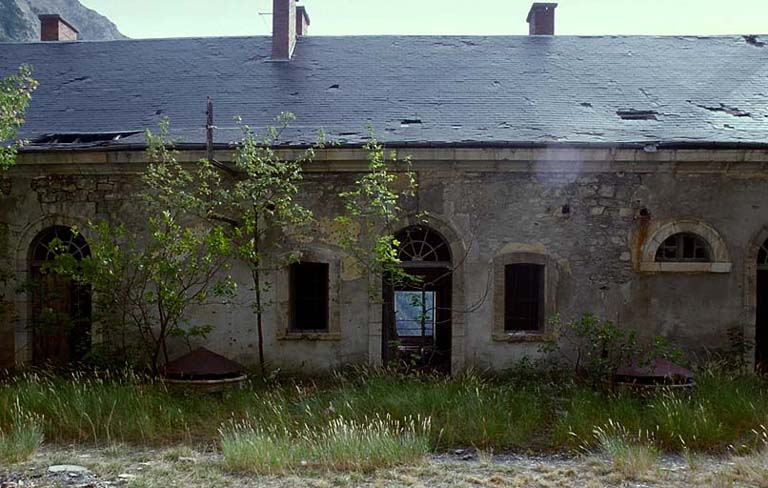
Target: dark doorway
{"x": 761, "y": 327}
{"x": 60, "y": 309}
{"x": 417, "y": 310}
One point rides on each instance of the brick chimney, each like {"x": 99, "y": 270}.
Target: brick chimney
{"x": 284, "y": 23}
{"x": 54, "y": 28}
{"x": 541, "y": 19}
{"x": 302, "y": 21}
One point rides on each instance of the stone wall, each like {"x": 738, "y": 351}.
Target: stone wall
{"x": 586, "y": 212}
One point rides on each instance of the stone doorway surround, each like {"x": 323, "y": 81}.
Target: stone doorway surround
{"x": 458, "y": 324}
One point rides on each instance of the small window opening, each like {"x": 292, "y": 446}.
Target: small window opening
{"x": 309, "y": 296}
{"x": 684, "y": 247}
{"x": 523, "y": 297}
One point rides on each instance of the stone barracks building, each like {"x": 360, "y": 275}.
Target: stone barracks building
{"x": 624, "y": 175}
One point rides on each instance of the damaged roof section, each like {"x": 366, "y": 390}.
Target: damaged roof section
{"x": 632, "y": 114}
{"x": 411, "y": 89}
{"x": 83, "y": 138}
{"x": 734, "y": 111}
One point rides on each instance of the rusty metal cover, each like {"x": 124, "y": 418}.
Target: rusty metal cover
{"x": 658, "y": 370}
{"x": 203, "y": 364}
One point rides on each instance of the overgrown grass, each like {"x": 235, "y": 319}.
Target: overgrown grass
{"x": 632, "y": 454}
{"x": 20, "y": 440}
{"x": 466, "y": 411}
{"x": 341, "y": 444}
{"x": 720, "y": 412}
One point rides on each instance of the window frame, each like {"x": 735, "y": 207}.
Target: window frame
{"x": 294, "y": 326}
{"x": 679, "y": 246}
{"x": 538, "y": 278}
{"x": 548, "y": 295}
{"x": 283, "y": 308}
{"x": 658, "y": 233}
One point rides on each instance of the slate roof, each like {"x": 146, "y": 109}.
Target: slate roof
{"x": 414, "y": 90}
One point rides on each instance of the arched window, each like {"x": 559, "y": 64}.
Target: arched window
{"x": 57, "y": 240}
{"x": 684, "y": 247}
{"x": 422, "y": 244}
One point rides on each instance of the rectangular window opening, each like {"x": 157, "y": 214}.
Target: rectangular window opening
{"x": 523, "y": 297}
{"x": 415, "y": 313}
{"x": 309, "y": 297}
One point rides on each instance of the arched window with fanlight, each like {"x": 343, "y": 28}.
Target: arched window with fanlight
{"x": 420, "y": 244}
{"x": 60, "y": 308}
{"x": 684, "y": 247}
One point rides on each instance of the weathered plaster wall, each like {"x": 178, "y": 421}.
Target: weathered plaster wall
{"x": 579, "y": 208}
{"x": 593, "y": 248}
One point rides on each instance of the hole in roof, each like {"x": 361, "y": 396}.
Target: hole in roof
{"x": 753, "y": 40}
{"x": 586, "y": 104}
{"x": 333, "y": 87}
{"x": 82, "y": 138}
{"x": 409, "y": 122}
{"x": 637, "y": 114}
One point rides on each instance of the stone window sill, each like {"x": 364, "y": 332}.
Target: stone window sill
{"x": 309, "y": 336}
{"x": 655, "y": 267}
{"x": 530, "y": 336}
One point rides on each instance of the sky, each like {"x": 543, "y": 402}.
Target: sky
{"x": 192, "y": 18}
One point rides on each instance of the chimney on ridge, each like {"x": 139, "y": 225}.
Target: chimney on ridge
{"x": 541, "y": 19}
{"x": 288, "y": 22}
{"x": 54, "y": 28}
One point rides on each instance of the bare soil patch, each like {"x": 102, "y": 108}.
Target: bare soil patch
{"x": 181, "y": 466}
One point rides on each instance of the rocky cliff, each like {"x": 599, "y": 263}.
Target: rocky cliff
{"x": 19, "y": 22}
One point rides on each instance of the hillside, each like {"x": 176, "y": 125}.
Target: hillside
{"x": 19, "y": 22}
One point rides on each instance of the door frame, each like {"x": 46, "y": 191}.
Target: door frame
{"x": 749, "y": 318}
{"x": 79, "y": 297}
{"x": 438, "y": 277}
{"x": 376, "y": 305}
